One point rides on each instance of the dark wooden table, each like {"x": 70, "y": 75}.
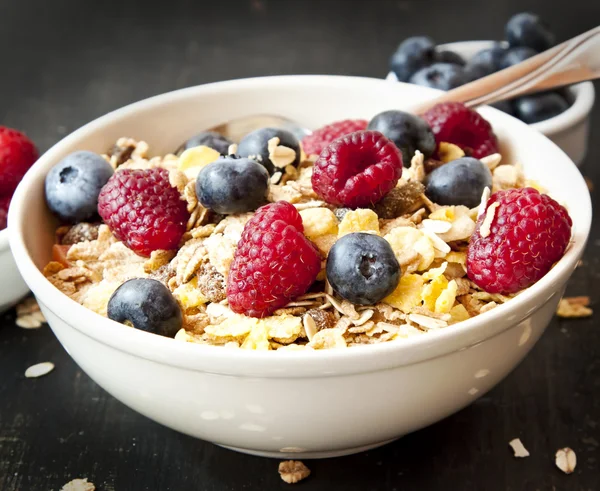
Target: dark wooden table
{"x": 65, "y": 62}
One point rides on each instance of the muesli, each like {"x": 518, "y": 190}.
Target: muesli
{"x": 276, "y": 244}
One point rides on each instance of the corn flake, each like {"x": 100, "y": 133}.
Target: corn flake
{"x": 361, "y": 220}
{"x": 407, "y": 294}
{"x": 318, "y": 222}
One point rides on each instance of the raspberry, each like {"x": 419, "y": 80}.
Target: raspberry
{"x": 274, "y": 262}
{"x": 529, "y": 233}
{"x": 17, "y": 155}
{"x": 143, "y": 210}
{"x": 453, "y": 122}
{"x": 4, "y": 204}
{"x": 357, "y": 170}
{"x": 315, "y": 143}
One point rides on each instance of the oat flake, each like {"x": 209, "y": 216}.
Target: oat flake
{"x": 39, "y": 370}
{"x": 566, "y": 460}
{"x": 79, "y": 485}
{"x": 518, "y": 448}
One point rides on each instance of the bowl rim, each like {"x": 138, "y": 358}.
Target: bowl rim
{"x": 584, "y": 93}
{"x": 288, "y": 363}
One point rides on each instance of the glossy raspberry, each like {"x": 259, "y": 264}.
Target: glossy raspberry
{"x": 274, "y": 262}
{"x": 4, "y": 204}
{"x": 453, "y": 122}
{"x": 315, "y": 143}
{"x": 143, "y": 210}
{"x": 529, "y": 233}
{"x": 357, "y": 170}
{"x": 17, "y": 155}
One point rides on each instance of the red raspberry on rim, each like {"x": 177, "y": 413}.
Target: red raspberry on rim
{"x": 274, "y": 262}
{"x": 529, "y": 232}
{"x": 453, "y": 122}
{"x": 357, "y": 170}
{"x": 314, "y": 143}
{"x": 17, "y": 155}
{"x": 143, "y": 210}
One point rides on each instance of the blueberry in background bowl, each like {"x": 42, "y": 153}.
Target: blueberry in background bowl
{"x": 413, "y": 54}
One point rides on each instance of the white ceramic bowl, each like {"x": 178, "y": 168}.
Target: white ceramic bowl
{"x": 285, "y": 404}
{"x": 569, "y": 130}
{"x": 13, "y": 287}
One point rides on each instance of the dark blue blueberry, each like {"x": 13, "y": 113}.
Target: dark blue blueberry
{"x": 362, "y": 268}
{"x": 255, "y": 146}
{"x": 539, "y": 107}
{"x": 516, "y": 55}
{"x": 147, "y": 305}
{"x": 409, "y": 132}
{"x": 460, "y": 182}
{"x": 72, "y": 186}
{"x": 527, "y": 29}
{"x": 230, "y": 185}
{"x": 443, "y": 76}
{"x": 413, "y": 54}
{"x": 485, "y": 62}
{"x": 449, "y": 57}
{"x": 210, "y": 139}
{"x": 505, "y": 106}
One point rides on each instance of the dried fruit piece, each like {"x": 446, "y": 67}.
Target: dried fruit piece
{"x": 401, "y": 200}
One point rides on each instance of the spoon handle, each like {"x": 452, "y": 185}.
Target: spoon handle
{"x": 575, "y": 60}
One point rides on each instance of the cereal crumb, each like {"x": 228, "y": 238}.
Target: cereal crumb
{"x": 574, "y": 307}
{"x": 39, "y": 370}
{"x": 79, "y": 485}
{"x": 518, "y": 448}
{"x": 566, "y": 460}
{"x": 293, "y": 471}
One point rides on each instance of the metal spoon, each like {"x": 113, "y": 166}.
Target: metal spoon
{"x": 575, "y": 60}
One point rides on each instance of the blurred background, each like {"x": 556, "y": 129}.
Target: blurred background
{"x": 65, "y": 62}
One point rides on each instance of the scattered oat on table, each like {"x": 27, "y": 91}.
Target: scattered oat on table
{"x": 29, "y": 315}
{"x": 574, "y": 307}
{"x": 293, "y": 471}
{"x": 39, "y": 370}
{"x": 566, "y": 460}
{"x": 79, "y": 485}
{"x": 518, "y": 448}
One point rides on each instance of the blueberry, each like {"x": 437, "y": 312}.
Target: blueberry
{"x": 413, "y": 54}
{"x": 147, "y": 305}
{"x": 485, "y": 62}
{"x": 409, "y": 132}
{"x": 539, "y": 107}
{"x": 73, "y": 185}
{"x": 230, "y": 185}
{"x": 255, "y": 146}
{"x": 527, "y": 29}
{"x": 362, "y": 268}
{"x": 460, "y": 182}
{"x": 210, "y": 139}
{"x": 444, "y": 76}
{"x": 516, "y": 55}
{"x": 449, "y": 57}
{"x": 505, "y": 106}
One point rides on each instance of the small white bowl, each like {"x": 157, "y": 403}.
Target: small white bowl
{"x": 307, "y": 404}
{"x": 13, "y": 287}
{"x": 569, "y": 130}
